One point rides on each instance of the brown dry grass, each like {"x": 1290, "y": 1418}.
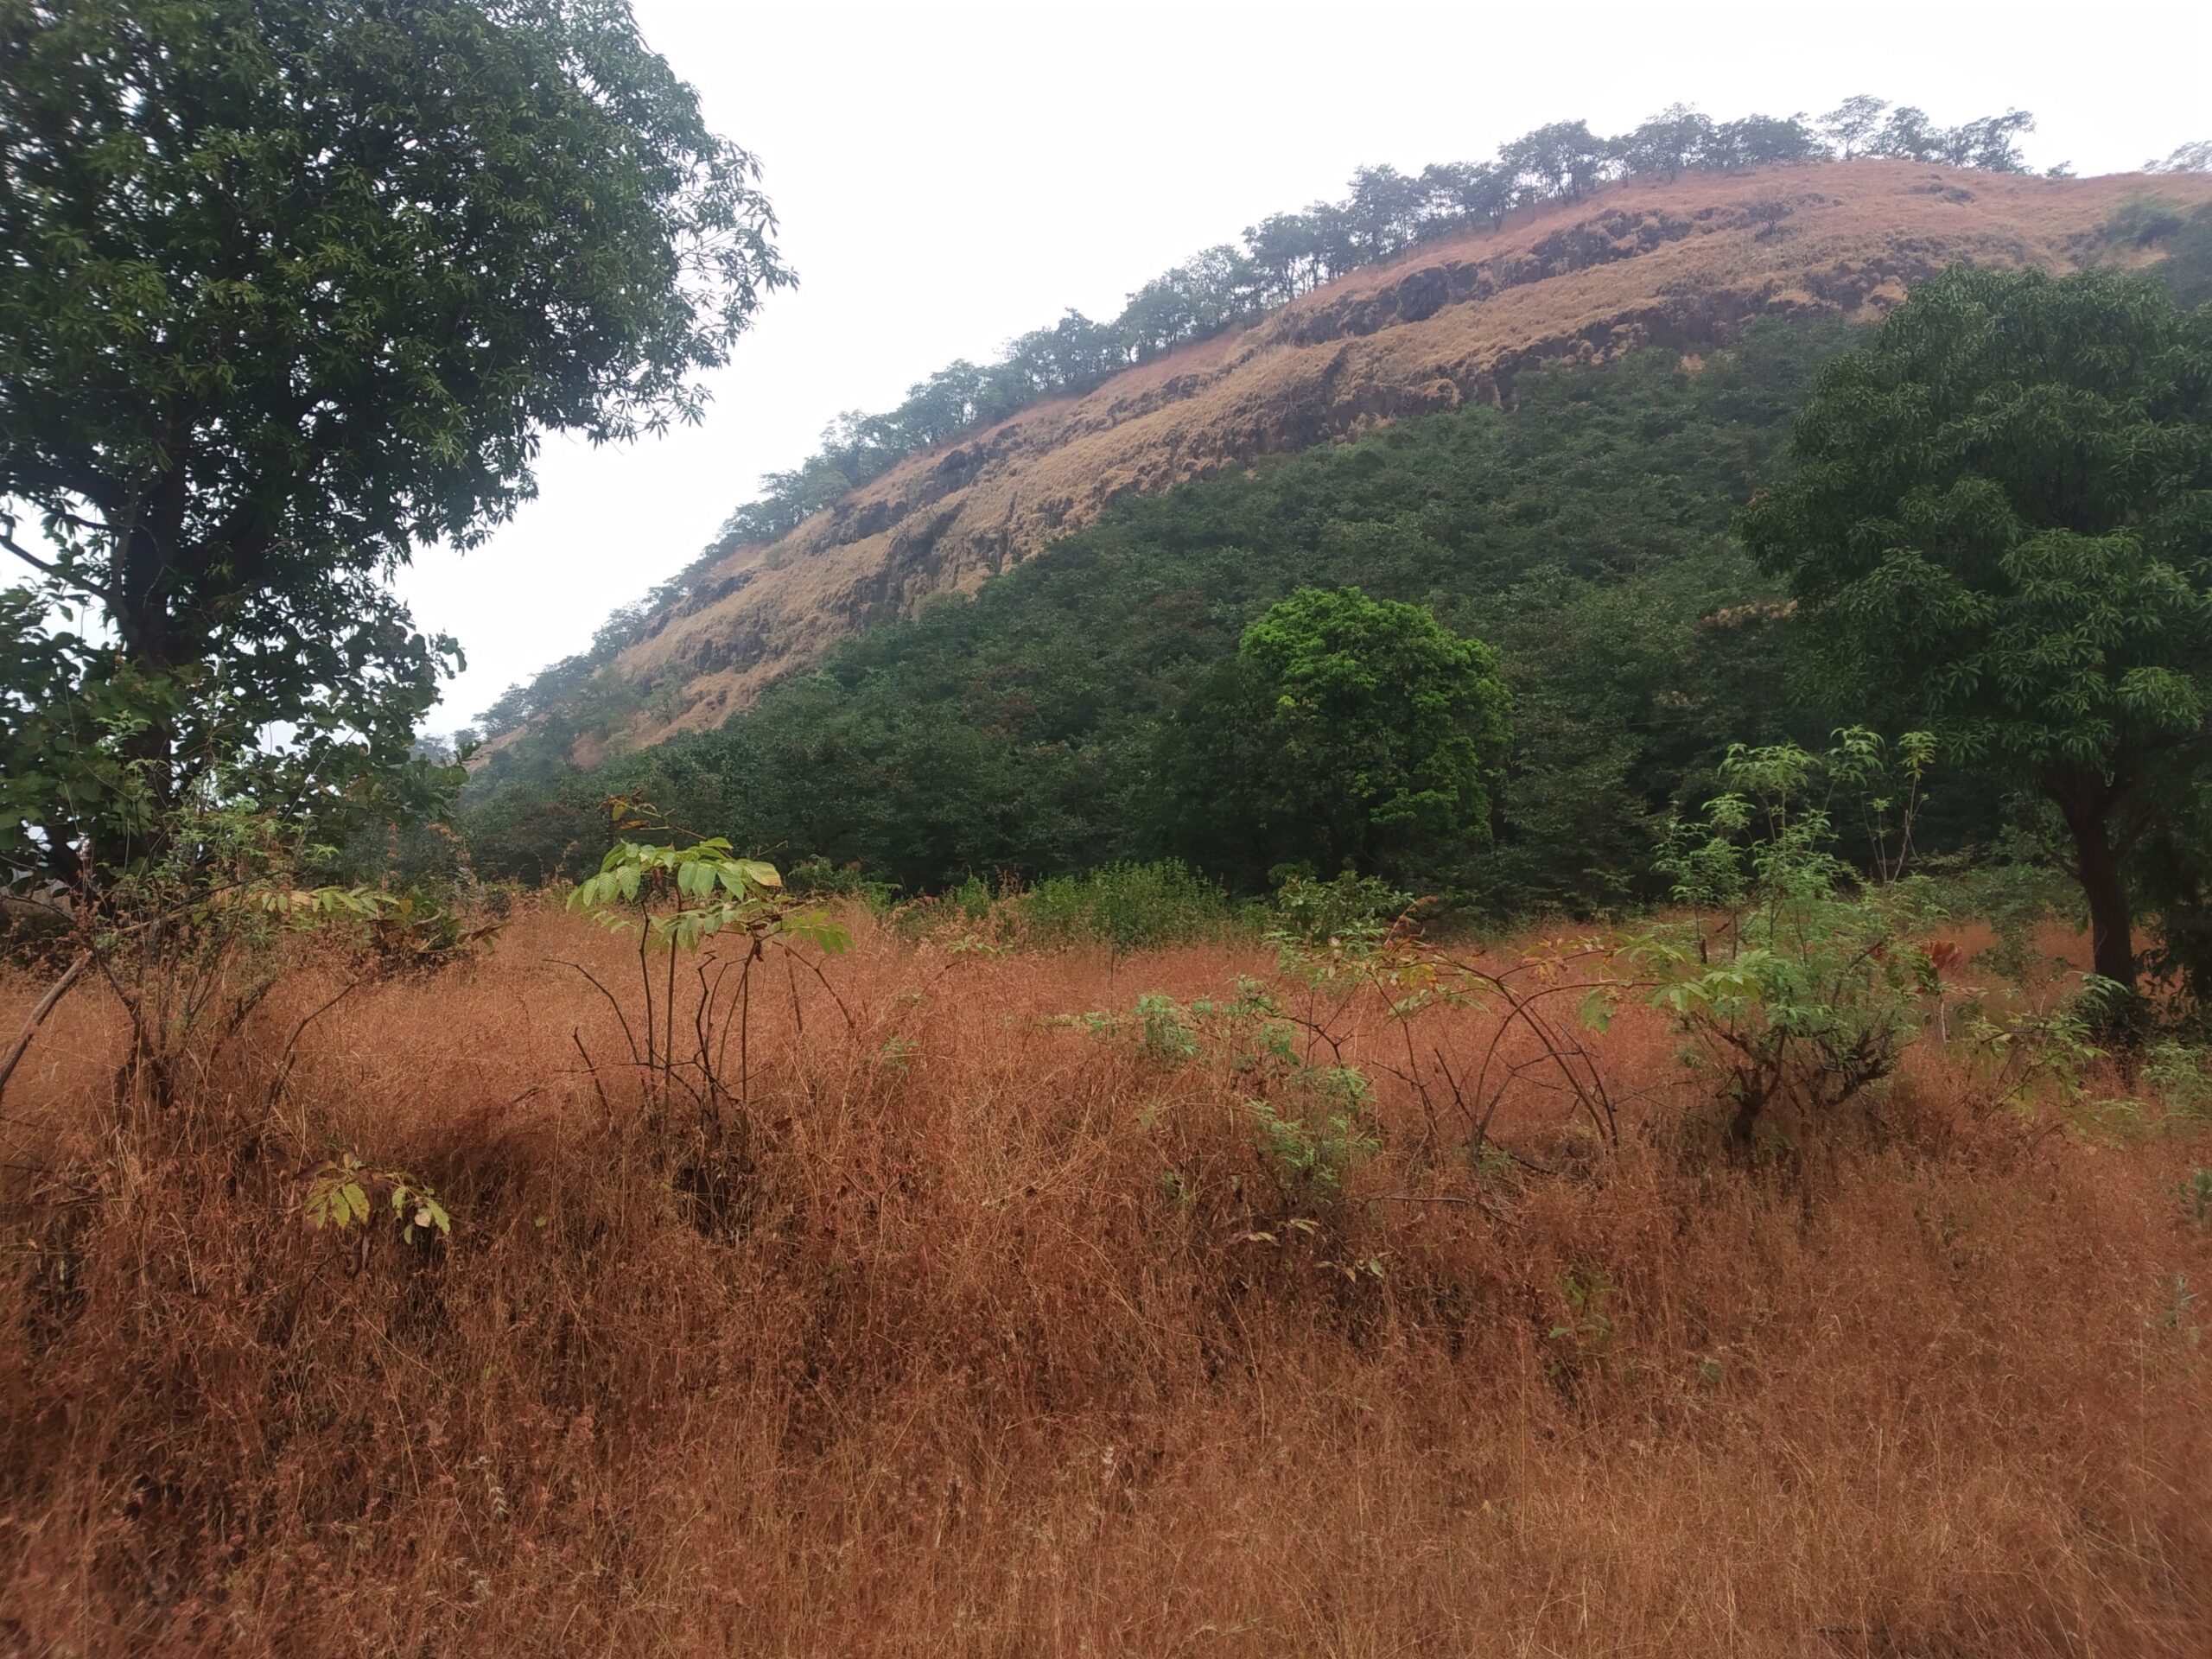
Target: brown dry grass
{"x": 1685, "y": 264}
{"x": 958, "y": 1374}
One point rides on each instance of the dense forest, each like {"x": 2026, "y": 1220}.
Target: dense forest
{"x": 1383, "y": 214}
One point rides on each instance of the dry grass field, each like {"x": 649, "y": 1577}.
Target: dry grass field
{"x": 1002, "y": 1335}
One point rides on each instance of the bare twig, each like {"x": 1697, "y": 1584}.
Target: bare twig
{"x": 815, "y": 968}
{"x": 627, "y": 1036}
{"x": 577, "y": 1036}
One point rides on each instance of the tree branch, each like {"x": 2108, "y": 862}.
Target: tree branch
{"x": 46, "y": 1005}
{"x": 53, "y": 572}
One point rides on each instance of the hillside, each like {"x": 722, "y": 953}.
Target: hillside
{"x": 1020, "y": 730}
{"x": 1681, "y": 264}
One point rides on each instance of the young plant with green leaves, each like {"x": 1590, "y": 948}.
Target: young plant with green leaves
{"x": 1312, "y": 1124}
{"x": 1799, "y": 979}
{"x": 688, "y": 895}
{"x": 339, "y": 1199}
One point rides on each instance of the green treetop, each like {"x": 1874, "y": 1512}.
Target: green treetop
{"x": 1348, "y": 731}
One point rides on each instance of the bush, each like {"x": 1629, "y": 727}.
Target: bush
{"x": 1806, "y": 993}
{"x": 1125, "y": 906}
{"x": 1312, "y": 1125}
{"x": 1352, "y": 912}
{"x": 818, "y": 878}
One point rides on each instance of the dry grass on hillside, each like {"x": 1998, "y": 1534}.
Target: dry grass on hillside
{"x": 1672, "y": 263}
{"x": 977, "y": 1359}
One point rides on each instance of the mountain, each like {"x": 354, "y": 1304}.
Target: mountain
{"x": 1684, "y": 265}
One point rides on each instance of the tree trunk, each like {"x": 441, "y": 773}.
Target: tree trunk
{"x": 2096, "y": 862}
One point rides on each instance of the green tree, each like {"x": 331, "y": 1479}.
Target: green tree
{"x": 1348, "y": 731}
{"x": 293, "y": 287}
{"x": 1998, "y": 528}
{"x": 1853, "y": 123}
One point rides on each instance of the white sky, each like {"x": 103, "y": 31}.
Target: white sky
{"x": 947, "y": 175}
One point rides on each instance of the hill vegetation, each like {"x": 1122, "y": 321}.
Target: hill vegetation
{"x": 1032, "y": 730}
{"x": 1455, "y": 322}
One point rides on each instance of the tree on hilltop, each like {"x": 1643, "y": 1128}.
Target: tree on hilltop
{"x": 1675, "y": 139}
{"x": 2194, "y": 157}
{"x": 1853, "y": 125}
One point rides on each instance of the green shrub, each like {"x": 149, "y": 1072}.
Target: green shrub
{"x": 1806, "y": 991}
{"x": 1322, "y": 1133}
{"x": 1312, "y": 1125}
{"x": 818, "y": 878}
{"x": 1125, "y": 906}
{"x": 1351, "y": 913}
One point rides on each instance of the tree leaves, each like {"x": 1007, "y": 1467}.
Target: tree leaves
{"x": 337, "y": 1198}
{"x": 1997, "y": 531}
{"x": 294, "y": 288}
{"x": 714, "y": 892}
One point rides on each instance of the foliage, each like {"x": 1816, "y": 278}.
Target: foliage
{"x": 1587, "y": 1330}
{"x": 1996, "y": 527}
{"x": 1312, "y": 1124}
{"x": 2181, "y": 1074}
{"x": 1801, "y": 981}
{"x": 1350, "y": 912}
{"x": 1347, "y": 732}
{"x": 1125, "y": 906}
{"x": 337, "y": 1198}
{"x": 1284, "y": 255}
{"x": 189, "y": 942}
{"x": 681, "y": 895}
{"x": 1313, "y": 1150}
{"x": 415, "y": 931}
{"x": 293, "y": 288}
{"x": 816, "y": 878}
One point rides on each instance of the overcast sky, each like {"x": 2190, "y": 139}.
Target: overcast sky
{"x": 949, "y": 175}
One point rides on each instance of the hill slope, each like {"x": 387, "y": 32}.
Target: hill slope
{"x": 1679, "y": 265}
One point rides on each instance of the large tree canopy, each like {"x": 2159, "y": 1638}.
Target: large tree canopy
{"x": 2001, "y": 526}
{"x": 1349, "y": 732}
{"x": 289, "y": 287}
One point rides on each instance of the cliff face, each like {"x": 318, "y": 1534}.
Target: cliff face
{"x": 1680, "y": 265}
